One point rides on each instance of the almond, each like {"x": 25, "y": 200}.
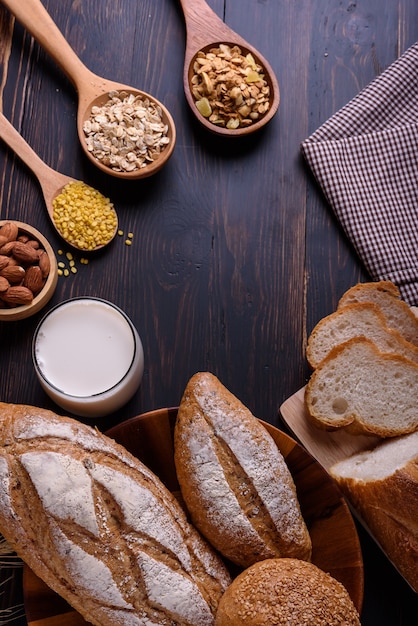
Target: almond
{"x": 13, "y": 273}
{"x": 33, "y": 279}
{"x": 4, "y": 284}
{"x": 17, "y": 295}
{"x": 44, "y": 263}
{"x": 12, "y": 261}
{"x": 24, "y": 253}
{"x": 3, "y": 240}
{"x": 33, "y": 243}
{"x": 7, "y": 248}
{"x": 9, "y": 230}
{"x": 4, "y": 261}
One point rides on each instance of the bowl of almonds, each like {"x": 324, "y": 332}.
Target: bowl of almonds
{"x": 28, "y": 270}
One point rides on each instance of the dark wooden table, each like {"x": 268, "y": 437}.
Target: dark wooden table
{"x": 235, "y": 252}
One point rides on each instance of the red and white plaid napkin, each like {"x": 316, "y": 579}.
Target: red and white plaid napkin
{"x": 365, "y": 158}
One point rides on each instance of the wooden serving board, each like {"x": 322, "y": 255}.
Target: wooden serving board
{"x": 335, "y": 543}
{"x": 327, "y": 447}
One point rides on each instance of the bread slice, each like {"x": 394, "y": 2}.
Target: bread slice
{"x": 382, "y": 486}
{"x": 386, "y": 295}
{"x": 360, "y": 319}
{"x": 361, "y": 388}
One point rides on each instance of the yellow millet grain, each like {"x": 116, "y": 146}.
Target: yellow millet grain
{"x": 83, "y": 216}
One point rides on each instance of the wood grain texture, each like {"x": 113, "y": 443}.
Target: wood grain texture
{"x": 335, "y": 544}
{"x": 325, "y": 446}
{"x": 236, "y": 254}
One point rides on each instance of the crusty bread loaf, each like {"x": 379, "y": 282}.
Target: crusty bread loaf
{"x": 382, "y": 486}
{"x": 286, "y": 592}
{"x": 233, "y": 479}
{"x": 100, "y": 528}
{"x": 359, "y": 319}
{"x": 387, "y": 296}
{"x": 358, "y": 386}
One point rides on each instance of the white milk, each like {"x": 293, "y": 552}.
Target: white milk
{"x": 88, "y": 356}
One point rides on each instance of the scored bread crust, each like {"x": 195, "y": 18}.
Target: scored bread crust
{"x": 358, "y": 319}
{"x": 99, "y": 527}
{"x": 233, "y": 479}
{"x": 286, "y": 592}
{"x": 358, "y": 387}
{"x": 387, "y": 296}
{"x": 382, "y": 486}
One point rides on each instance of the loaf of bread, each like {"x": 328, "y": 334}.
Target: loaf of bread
{"x": 356, "y": 386}
{"x": 286, "y": 592}
{"x": 100, "y": 528}
{"x": 233, "y": 479}
{"x": 359, "y": 319}
{"x": 382, "y": 486}
{"x": 386, "y": 295}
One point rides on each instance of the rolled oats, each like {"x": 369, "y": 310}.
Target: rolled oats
{"x": 127, "y": 132}
{"x": 229, "y": 88}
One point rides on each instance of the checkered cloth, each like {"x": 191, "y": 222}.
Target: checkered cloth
{"x": 365, "y": 158}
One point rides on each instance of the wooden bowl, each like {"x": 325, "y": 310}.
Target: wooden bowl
{"x": 336, "y": 546}
{"x": 270, "y": 78}
{"x": 23, "y": 311}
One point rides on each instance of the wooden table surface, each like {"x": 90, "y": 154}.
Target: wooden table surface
{"x": 235, "y": 253}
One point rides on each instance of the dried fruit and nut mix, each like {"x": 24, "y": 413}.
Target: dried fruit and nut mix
{"x": 24, "y": 266}
{"x": 127, "y": 132}
{"x": 83, "y": 216}
{"x": 229, "y": 87}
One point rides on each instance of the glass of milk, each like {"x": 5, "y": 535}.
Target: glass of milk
{"x": 88, "y": 356}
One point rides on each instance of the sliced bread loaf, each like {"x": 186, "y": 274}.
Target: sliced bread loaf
{"x": 359, "y": 319}
{"x": 359, "y": 387}
{"x": 382, "y": 486}
{"x": 386, "y": 295}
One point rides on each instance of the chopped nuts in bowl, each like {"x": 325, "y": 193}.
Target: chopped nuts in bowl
{"x": 28, "y": 270}
{"x": 230, "y": 88}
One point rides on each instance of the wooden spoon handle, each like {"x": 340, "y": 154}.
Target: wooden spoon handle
{"x": 15, "y": 141}
{"x": 203, "y": 25}
{"x": 36, "y": 20}
{"x": 50, "y": 180}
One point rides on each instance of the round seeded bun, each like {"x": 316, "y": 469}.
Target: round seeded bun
{"x": 287, "y": 592}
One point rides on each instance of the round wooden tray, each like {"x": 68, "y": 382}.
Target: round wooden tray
{"x": 336, "y": 546}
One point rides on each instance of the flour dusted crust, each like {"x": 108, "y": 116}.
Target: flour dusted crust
{"x": 286, "y": 592}
{"x": 233, "y": 479}
{"x": 99, "y": 527}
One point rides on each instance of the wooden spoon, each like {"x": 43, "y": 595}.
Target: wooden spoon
{"x": 205, "y": 30}
{"x": 92, "y": 90}
{"x": 51, "y": 181}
